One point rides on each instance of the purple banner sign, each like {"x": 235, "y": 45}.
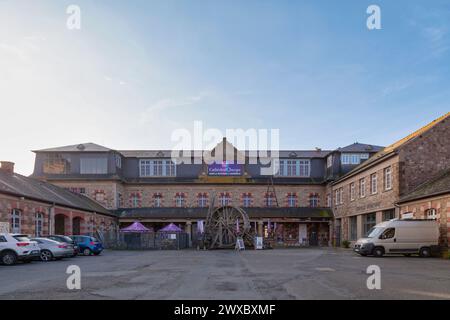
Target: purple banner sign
{"x": 224, "y": 169}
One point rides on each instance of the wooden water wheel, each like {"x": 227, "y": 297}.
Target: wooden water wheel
{"x": 224, "y": 224}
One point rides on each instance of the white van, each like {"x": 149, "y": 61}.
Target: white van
{"x": 407, "y": 236}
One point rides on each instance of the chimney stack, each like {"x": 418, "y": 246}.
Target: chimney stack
{"x": 7, "y": 166}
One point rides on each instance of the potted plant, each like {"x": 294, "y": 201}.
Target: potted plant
{"x": 346, "y": 244}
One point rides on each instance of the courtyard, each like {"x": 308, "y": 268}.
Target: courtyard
{"x": 309, "y": 273}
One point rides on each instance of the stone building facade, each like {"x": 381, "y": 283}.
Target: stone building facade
{"x": 151, "y": 187}
{"x": 333, "y": 195}
{"x": 369, "y": 193}
{"x": 35, "y": 208}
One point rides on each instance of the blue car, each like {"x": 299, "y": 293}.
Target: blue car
{"x": 88, "y": 245}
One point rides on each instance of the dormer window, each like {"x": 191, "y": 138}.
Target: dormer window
{"x": 353, "y": 158}
{"x": 294, "y": 168}
{"x": 157, "y": 168}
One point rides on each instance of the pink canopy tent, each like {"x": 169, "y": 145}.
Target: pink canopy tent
{"x": 136, "y": 227}
{"x": 171, "y": 228}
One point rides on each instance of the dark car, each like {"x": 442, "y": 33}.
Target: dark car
{"x": 66, "y": 239}
{"x": 88, "y": 245}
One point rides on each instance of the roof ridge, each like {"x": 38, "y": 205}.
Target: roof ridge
{"x": 418, "y": 132}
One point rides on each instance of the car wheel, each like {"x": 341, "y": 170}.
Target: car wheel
{"x": 378, "y": 252}
{"x": 425, "y": 252}
{"x": 46, "y": 256}
{"x": 87, "y": 252}
{"x": 9, "y": 258}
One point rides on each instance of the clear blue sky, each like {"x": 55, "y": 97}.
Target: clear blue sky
{"x": 137, "y": 70}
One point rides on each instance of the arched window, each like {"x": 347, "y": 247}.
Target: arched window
{"x": 135, "y": 200}
{"x": 180, "y": 200}
{"x": 225, "y": 199}
{"x": 16, "y": 221}
{"x": 292, "y": 200}
{"x": 39, "y": 224}
{"x": 270, "y": 199}
{"x": 314, "y": 200}
{"x": 157, "y": 200}
{"x": 431, "y": 214}
{"x": 246, "y": 200}
{"x": 202, "y": 199}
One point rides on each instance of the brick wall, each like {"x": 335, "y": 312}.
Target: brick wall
{"x": 425, "y": 157}
{"x": 258, "y": 192}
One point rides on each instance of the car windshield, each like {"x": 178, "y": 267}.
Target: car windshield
{"x": 374, "y": 232}
{"x": 66, "y": 239}
{"x": 21, "y": 238}
{"x": 93, "y": 239}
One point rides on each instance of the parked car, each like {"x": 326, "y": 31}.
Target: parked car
{"x": 88, "y": 245}
{"x": 65, "y": 239}
{"x": 17, "y": 247}
{"x": 407, "y": 236}
{"x": 51, "y": 249}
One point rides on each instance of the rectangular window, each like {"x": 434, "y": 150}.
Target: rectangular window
{"x": 328, "y": 200}
{"x": 362, "y": 187}
{"x": 294, "y": 168}
{"x": 93, "y": 165}
{"x": 353, "y": 229}
{"x": 352, "y": 191}
{"x": 388, "y": 178}
{"x": 341, "y": 195}
{"x": 373, "y": 183}
{"x": 16, "y": 221}
{"x": 353, "y": 158}
{"x": 336, "y": 197}
{"x": 157, "y": 168}
{"x": 388, "y": 215}
{"x": 56, "y": 163}
{"x": 369, "y": 221}
{"x": 39, "y": 224}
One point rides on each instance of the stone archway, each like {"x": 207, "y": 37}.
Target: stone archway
{"x": 60, "y": 224}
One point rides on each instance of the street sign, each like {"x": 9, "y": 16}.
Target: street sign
{"x": 239, "y": 244}
{"x": 259, "y": 243}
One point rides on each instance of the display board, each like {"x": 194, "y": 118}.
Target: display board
{"x": 240, "y": 244}
{"x": 4, "y": 227}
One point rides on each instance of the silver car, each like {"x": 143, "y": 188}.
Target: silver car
{"x": 51, "y": 249}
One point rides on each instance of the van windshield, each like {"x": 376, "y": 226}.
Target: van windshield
{"x": 374, "y": 232}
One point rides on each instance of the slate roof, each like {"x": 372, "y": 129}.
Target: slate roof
{"x": 392, "y": 149}
{"x": 434, "y": 187}
{"x": 168, "y": 153}
{"x": 81, "y": 147}
{"x": 360, "y": 147}
{"x": 18, "y": 185}
{"x": 200, "y": 213}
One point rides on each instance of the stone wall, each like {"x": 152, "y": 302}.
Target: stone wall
{"x": 442, "y": 206}
{"x": 425, "y": 157}
{"x": 89, "y": 222}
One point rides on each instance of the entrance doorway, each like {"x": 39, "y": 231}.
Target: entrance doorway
{"x": 60, "y": 224}
{"x": 76, "y": 226}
